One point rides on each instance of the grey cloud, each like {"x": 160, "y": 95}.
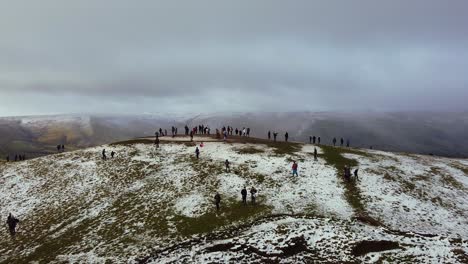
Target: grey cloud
{"x": 292, "y": 55}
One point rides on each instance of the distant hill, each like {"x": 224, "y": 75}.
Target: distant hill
{"x": 442, "y": 134}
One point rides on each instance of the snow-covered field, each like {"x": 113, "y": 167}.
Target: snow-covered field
{"x": 156, "y": 205}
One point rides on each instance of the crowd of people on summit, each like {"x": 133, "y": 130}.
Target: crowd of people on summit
{"x": 223, "y": 133}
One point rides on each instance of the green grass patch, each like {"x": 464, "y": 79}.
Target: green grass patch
{"x": 249, "y": 150}
{"x": 231, "y": 212}
{"x": 131, "y": 142}
{"x": 333, "y": 156}
{"x": 284, "y": 148}
{"x": 458, "y": 165}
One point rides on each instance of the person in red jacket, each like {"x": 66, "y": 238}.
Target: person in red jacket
{"x": 294, "y": 168}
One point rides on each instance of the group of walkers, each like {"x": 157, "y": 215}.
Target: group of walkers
{"x": 104, "y": 156}
{"x": 275, "y": 135}
{"x": 174, "y": 131}
{"x": 313, "y": 139}
{"x": 253, "y": 197}
{"x": 16, "y": 158}
{"x": 341, "y": 142}
{"x": 61, "y": 148}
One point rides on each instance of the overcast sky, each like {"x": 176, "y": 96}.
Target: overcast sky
{"x": 246, "y": 55}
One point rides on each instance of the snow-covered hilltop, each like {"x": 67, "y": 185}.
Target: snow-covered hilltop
{"x": 153, "y": 205}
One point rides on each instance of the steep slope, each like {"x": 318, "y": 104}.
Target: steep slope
{"x": 156, "y": 205}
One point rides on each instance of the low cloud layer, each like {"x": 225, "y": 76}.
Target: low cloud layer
{"x": 206, "y": 56}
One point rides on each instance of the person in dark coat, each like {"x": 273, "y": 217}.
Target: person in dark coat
{"x": 58, "y": 148}
{"x": 313, "y": 140}
{"x": 156, "y": 142}
{"x": 347, "y": 143}
{"x": 275, "y": 134}
{"x": 8, "y": 158}
{"x": 226, "y": 163}
{"x": 217, "y": 200}
{"x": 315, "y": 154}
{"x": 191, "y": 136}
{"x": 63, "y": 148}
{"x": 334, "y": 141}
{"x": 197, "y": 152}
{"x": 112, "y": 154}
{"x": 286, "y": 136}
{"x": 244, "y": 196}
{"x": 104, "y": 157}
{"x": 318, "y": 140}
{"x": 356, "y": 174}
{"x": 269, "y": 135}
{"x": 341, "y": 142}
{"x": 12, "y": 222}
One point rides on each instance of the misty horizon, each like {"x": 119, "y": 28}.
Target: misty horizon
{"x": 210, "y": 56}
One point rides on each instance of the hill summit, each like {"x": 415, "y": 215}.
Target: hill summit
{"x": 156, "y": 205}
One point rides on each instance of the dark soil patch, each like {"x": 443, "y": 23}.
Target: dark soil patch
{"x": 368, "y": 220}
{"x": 364, "y": 247}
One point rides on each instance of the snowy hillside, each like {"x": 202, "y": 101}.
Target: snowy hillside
{"x": 152, "y": 205}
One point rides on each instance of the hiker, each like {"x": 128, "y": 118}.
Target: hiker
{"x": 217, "y": 200}
{"x": 237, "y": 131}
{"x": 191, "y": 136}
{"x": 294, "y": 169}
{"x": 156, "y": 142}
{"x": 347, "y": 143}
{"x": 286, "y": 137}
{"x": 12, "y": 222}
{"x": 197, "y": 152}
{"x": 226, "y": 163}
{"x": 244, "y": 132}
{"x": 186, "y": 130}
{"x": 248, "y": 131}
{"x": 334, "y": 141}
{"x": 313, "y": 140}
{"x": 310, "y": 139}
{"x": 8, "y": 158}
{"x": 225, "y": 136}
{"x": 319, "y": 140}
{"x": 341, "y": 142}
{"x": 275, "y": 134}
{"x": 315, "y": 154}
{"x": 58, "y": 148}
{"x": 161, "y": 132}
{"x": 269, "y": 135}
{"x": 244, "y": 196}
{"x": 356, "y": 174}
{"x": 253, "y": 194}
{"x": 63, "y": 148}
{"x": 112, "y": 154}
{"x": 104, "y": 157}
